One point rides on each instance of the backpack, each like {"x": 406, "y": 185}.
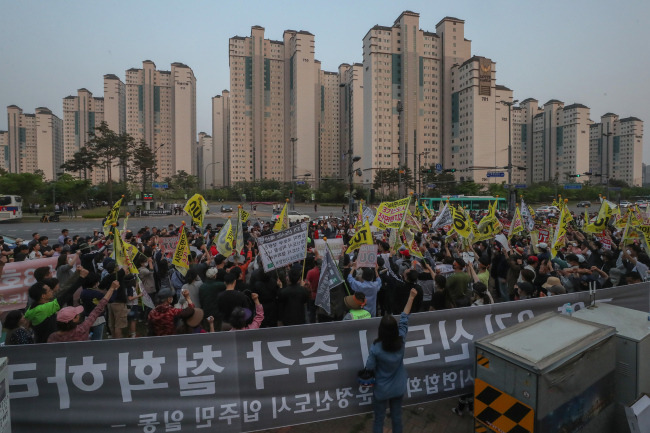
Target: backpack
{"x": 177, "y": 280}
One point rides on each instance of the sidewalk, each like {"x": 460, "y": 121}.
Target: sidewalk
{"x": 431, "y": 417}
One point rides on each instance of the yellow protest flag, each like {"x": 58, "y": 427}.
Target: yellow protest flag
{"x": 362, "y": 237}
{"x": 182, "y": 254}
{"x": 517, "y": 225}
{"x": 196, "y": 207}
{"x": 283, "y": 219}
{"x": 461, "y": 224}
{"x": 359, "y": 222}
{"x": 112, "y": 216}
{"x": 391, "y": 214}
{"x": 427, "y": 212}
{"x": 602, "y": 220}
{"x": 225, "y": 239}
{"x": 131, "y": 251}
{"x": 242, "y": 217}
{"x": 118, "y": 247}
{"x": 411, "y": 244}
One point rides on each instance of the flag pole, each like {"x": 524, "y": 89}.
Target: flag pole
{"x": 347, "y": 289}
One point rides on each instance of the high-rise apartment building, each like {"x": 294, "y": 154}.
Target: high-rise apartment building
{"x": 4, "y": 150}
{"x": 81, "y": 115}
{"x": 221, "y": 139}
{"x": 555, "y": 139}
{"x": 351, "y": 122}
{"x": 407, "y": 88}
{"x": 273, "y": 107}
{"x": 161, "y": 110}
{"x": 329, "y": 144}
{"x": 33, "y": 142}
{"x": 115, "y": 103}
{"x": 616, "y": 149}
{"x": 205, "y": 158}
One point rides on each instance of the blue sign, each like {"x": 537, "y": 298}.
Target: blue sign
{"x": 300, "y": 182}
{"x": 163, "y": 185}
{"x": 572, "y": 186}
{"x": 431, "y": 185}
{"x": 520, "y": 186}
{"x": 439, "y": 168}
{"x": 496, "y": 174}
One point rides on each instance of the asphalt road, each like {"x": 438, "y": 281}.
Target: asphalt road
{"x": 83, "y": 226}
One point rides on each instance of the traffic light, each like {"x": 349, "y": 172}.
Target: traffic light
{"x": 291, "y": 193}
{"x": 577, "y": 175}
{"x": 429, "y": 170}
{"x": 588, "y": 173}
{"x": 450, "y": 170}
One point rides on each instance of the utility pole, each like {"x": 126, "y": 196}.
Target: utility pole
{"x": 402, "y": 149}
{"x": 511, "y": 200}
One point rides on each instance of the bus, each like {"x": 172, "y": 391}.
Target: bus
{"x": 11, "y": 208}
{"x": 473, "y": 202}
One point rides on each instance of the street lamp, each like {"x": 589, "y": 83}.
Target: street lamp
{"x": 205, "y": 174}
{"x": 293, "y": 167}
{"x": 351, "y": 161}
{"x": 511, "y": 200}
{"x": 426, "y": 152}
{"x": 401, "y": 148}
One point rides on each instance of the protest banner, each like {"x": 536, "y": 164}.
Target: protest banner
{"x": 284, "y": 247}
{"x": 367, "y": 256}
{"x": 196, "y": 207}
{"x": 543, "y": 236}
{"x": 335, "y": 245}
{"x": 167, "y": 244}
{"x": 182, "y": 253}
{"x": 391, "y": 214}
{"x": 257, "y": 380}
{"x": 16, "y": 279}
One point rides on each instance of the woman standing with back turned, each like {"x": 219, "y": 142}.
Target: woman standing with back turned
{"x": 386, "y": 359}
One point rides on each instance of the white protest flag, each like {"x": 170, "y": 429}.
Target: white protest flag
{"x": 284, "y": 247}
{"x": 529, "y": 221}
{"x": 444, "y": 218}
{"x": 329, "y": 277}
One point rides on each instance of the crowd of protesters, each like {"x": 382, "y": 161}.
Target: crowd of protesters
{"x": 88, "y": 296}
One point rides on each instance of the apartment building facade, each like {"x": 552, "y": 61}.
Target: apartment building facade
{"x": 221, "y": 139}
{"x": 616, "y": 149}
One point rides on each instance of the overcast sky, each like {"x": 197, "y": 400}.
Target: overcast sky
{"x": 593, "y": 52}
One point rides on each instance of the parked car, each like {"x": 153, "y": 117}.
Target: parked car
{"x": 226, "y": 208}
{"x": 625, "y": 203}
{"x": 642, "y": 203}
{"x": 295, "y": 216}
{"x": 584, "y": 204}
{"x": 547, "y": 210}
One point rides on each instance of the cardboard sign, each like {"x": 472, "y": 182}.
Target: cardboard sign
{"x": 335, "y": 245}
{"x": 367, "y": 257}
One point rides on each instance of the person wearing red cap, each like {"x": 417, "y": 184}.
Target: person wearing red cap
{"x": 68, "y": 321}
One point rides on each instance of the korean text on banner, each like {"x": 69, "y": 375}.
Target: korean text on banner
{"x": 16, "y": 279}
{"x": 196, "y": 207}
{"x": 391, "y": 214}
{"x": 251, "y": 381}
{"x": 283, "y": 248}
{"x": 335, "y": 245}
{"x": 181, "y": 255}
{"x": 363, "y": 236}
{"x": 329, "y": 277}
{"x": 112, "y": 216}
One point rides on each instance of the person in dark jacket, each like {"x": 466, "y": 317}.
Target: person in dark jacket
{"x": 293, "y": 300}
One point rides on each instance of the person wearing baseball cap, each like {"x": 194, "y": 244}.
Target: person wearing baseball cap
{"x": 69, "y": 324}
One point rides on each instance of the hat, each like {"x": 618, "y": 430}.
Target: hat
{"x": 19, "y": 240}
{"x": 556, "y": 290}
{"x": 405, "y": 253}
{"x": 526, "y": 287}
{"x": 211, "y": 273}
{"x": 532, "y": 259}
{"x": 164, "y": 293}
{"x": 355, "y": 301}
{"x": 68, "y": 314}
{"x": 552, "y": 281}
{"x": 84, "y": 247}
{"x": 195, "y": 319}
{"x": 542, "y": 245}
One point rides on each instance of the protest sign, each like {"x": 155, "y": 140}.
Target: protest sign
{"x": 335, "y": 245}
{"x": 16, "y": 279}
{"x": 284, "y": 247}
{"x": 367, "y": 257}
{"x": 167, "y": 244}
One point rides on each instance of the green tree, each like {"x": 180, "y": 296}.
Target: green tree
{"x": 82, "y": 161}
{"x": 144, "y": 164}
{"x": 184, "y": 181}
{"x": 26, "y": 185}
{"x": 108, "y": 148}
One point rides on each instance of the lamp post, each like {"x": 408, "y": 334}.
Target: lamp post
{"x": 293, "y": 168}
{"x": 205, "y": 173}
{"x": 426, "y": 152}
{"x": 511, "y": 200}
{"x": 401, "y": 148}
{"x": 351, "y": 161}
